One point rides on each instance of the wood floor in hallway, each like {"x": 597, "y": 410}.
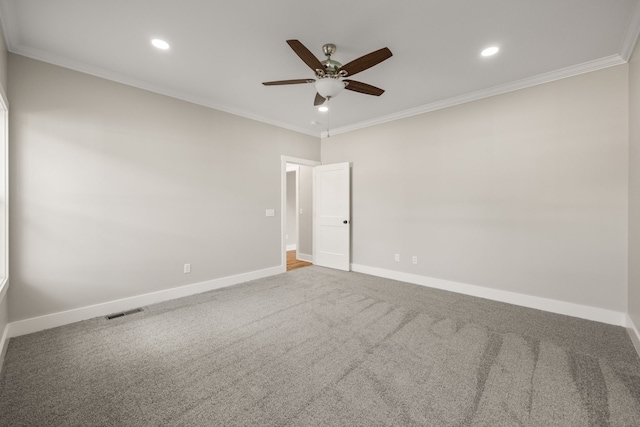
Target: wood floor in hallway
{"x": 293, "y": 263}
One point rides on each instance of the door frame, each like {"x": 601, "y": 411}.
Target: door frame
{"x": 283, "y": 203}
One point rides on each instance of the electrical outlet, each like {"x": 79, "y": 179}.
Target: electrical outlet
{"x": 397, "y": 257}
{"x": 187, "y": 268}
{"x": 415, "y": 259}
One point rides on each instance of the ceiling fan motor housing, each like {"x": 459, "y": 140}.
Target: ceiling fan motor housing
{"x": 331, "y": 67}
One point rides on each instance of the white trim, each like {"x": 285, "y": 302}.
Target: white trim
{"x": 545, "y": 304}
{"x": 4, "y": 274}
{"x": 292, "y": 247}
{"x": 7, "y": 13}
{"x": 297, "y": 213}
{"x": 304, "y": 257}
{"x": 4, "y": 345}
{"x": 633, "y": 333}
{"x": 102, "y": 73}
{"x": 4, "y": 341}
{"x": 571, "y": 71}
{"x": 4, "y": 286}
{"x": 35, "y": 324}
{"x": 586, "y": 67}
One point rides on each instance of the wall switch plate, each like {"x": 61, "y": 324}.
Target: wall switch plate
{"x": 397, "y": 257}
{"x": 415, "y": 259}
{"x": 300, "y": 211}
{"x": 270, "y": 212}
{"x": 187, "y": 268}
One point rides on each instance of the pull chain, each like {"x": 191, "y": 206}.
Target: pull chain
{"x": 328, "y": 115}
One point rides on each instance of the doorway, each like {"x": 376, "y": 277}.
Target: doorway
{"x": 297, "y": 212}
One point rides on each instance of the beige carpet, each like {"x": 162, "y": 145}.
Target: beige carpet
{"x": 317, "y": 347}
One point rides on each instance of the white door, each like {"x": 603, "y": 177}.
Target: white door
{"x": 332, "y": 200}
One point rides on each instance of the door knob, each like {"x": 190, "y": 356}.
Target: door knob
{"x": 345, "y": 222}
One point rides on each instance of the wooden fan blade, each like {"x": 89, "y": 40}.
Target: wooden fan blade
{"x": 319, "y": 100}
{"x": 363, "y": 88}
{"x": 366, "y": 61}
{"x": 306, "y": 55}
{"x": 288, "y": 82}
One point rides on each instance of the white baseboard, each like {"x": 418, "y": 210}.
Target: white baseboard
{"x": 4, "y": 344}
{"x": 304, "y": 257}
{"x": 633, "y": 334}
{"x": 35, "y": 324}
{"x": 561, "y": 307}
{"x": 292, "y": 247}
{"x": 27, "y": 326}
{"x": 4, "y": 339}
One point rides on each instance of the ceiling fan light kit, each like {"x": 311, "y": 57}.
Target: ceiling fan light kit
{"x": 330, "y": 74}
{"x": 329, "y": 87}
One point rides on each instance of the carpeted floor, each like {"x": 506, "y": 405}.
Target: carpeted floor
{"x": 317, "y": 347}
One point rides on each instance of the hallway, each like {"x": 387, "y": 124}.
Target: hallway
{"x": 293, "y": 263}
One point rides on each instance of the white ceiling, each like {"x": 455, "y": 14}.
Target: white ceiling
{"x": 221, "y": 51}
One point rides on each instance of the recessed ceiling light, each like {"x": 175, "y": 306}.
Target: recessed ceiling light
{"x": 323, "y": 108}
{"x": 490, "y": 51}
{"x": 160, "y": 44}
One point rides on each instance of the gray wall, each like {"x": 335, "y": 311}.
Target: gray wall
{"x": 292, "y": 228}
{"x": 115, "y": 188}
{"x": 634, "y": 188}
{"x": 305, "y": 182}
{"x": 524, "y": 192}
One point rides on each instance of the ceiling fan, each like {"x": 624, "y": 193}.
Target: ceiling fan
{"x": 330, "y": 74}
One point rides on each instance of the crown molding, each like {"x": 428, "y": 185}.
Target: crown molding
{"x": 95, "y": 71}
{"x": 14, "y": 45}
{"x": 586, "y": 67}
{"x": 563, "y": 73}
{"x": 7, "y": 14}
